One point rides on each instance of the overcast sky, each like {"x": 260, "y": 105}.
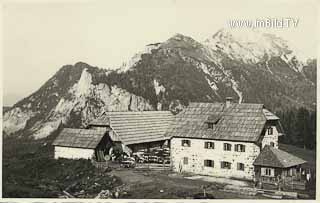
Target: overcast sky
{"x": 39, "y": 37}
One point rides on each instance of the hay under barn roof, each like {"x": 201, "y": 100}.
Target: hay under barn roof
{"x": 79, "y": 138}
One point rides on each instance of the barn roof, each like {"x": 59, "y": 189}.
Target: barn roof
{"x": 238, "y": 122}
{"x": 269, "y": 115}
{"x": 134, "y": 127}
{"x": 274, "y": 157}
{"x": 80, "y": 138}
{"x": 101, "y": 121}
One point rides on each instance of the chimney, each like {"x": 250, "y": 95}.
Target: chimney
{"x": 228, "y": 101}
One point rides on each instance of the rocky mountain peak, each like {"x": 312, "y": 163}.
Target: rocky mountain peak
{"x": 251, "y": 46}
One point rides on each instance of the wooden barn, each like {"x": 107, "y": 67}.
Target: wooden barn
{"x": 133, "y": 130}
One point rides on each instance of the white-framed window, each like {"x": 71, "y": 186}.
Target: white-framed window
{"x": 240, "y": 166}
{"x": 209, "y": 163}
{"x": 209, "y": 145}
{"x": 226, "y": 147}
{"x": 267, "y": 172}
{"x": 270, "y": 131}
{"x": 185, "y": 143}
{"x": 225, "y": 165}
{"x": 240, "y": 148}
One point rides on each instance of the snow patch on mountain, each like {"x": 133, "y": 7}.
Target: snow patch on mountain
{"x": 212, "y": 84}
{"x": 157, "y": 87}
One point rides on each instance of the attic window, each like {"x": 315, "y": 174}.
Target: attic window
{"x": 270, "y": 131}
{"x": 185, "y": 143}
{"x": 210, "y": 125}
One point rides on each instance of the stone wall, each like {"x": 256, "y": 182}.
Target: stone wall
{"x": 197, "y": 153}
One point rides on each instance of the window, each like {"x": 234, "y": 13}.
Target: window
{"x": 225, "y": 165}
{"x": 240, "y": 166}
{"x": 186, "y": 143}
{"x": 272, "y": 144}
{"x": 270, "y": 131}
{"x": 209, "y": 145}
{"x": 185, "y": 160}
{"x": 226, "y": 147}
{"x": 209, "y": 163}
{"x": 268, "y": 172}
{"x": 240, "y": 148}
{"x": 210, "y": 125}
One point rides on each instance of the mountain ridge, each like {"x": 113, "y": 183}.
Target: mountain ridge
{"x": 167, "y": 76}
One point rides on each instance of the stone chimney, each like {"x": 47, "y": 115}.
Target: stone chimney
{"x": 228, "y": 101}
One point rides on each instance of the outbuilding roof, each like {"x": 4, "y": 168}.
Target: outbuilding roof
{"x": 132, "y": 127}
{"x": 273, "y": 157}
{"x": 79, "y": 138}
{"x": 237, "y": 122}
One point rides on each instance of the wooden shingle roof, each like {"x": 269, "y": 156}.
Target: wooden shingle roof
{"x": 134, "y": 127}
{"x": 269, "y": 115}
{"x": 273, "y": 157}
{"x": 238, "y": 122}
{"x": 79, "y": 138}
{"x": 101, "y": 121}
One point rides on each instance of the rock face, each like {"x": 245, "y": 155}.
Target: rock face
{"x": 251, "y": 67}
{"x": 72, "y": 97}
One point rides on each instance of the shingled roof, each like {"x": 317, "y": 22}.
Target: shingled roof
{"x": 101, "y": 121}
{"x": 273, "y": 157}
{"x": 79, "y": 138}
{"x": 238, "y": 122}
{"x": 134, "y": 127}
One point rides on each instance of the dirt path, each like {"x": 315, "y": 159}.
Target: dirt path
{"x": 148, "y": 184}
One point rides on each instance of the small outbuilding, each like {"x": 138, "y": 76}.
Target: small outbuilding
{"x": 274, "y": 165}
{"x": 81, "y": 143}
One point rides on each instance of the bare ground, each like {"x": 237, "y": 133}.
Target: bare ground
{"x": 157, "y": 184}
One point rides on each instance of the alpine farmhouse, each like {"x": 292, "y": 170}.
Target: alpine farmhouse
{"x": 230, "y": 140}
{"x": 216, "y": 139}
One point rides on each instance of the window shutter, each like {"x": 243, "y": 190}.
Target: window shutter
{"x": 244, "y": 148}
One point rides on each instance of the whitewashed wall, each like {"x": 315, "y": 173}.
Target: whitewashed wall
{"x": 267, "y": 139}
{"x": 197, "y": 154}
{"x": 72, "y": 153}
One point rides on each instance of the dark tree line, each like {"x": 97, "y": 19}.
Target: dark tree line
{"x": 299, "y": 126}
